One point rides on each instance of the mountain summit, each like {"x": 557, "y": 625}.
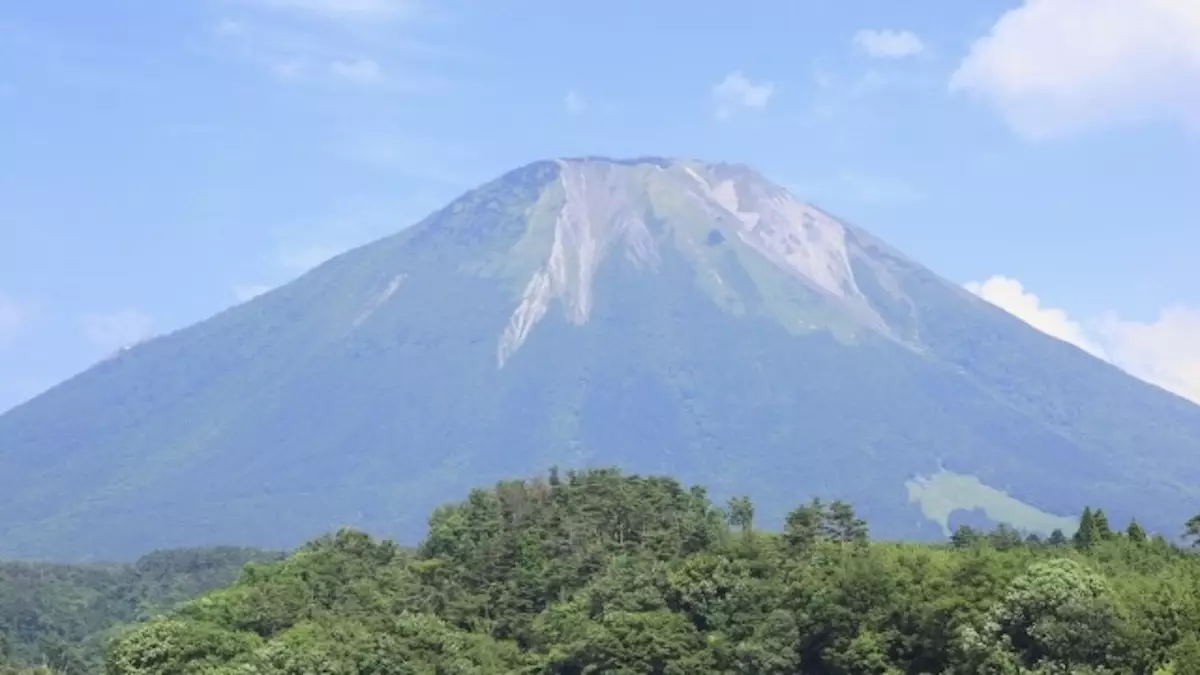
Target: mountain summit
{"x": 666, "y": 316}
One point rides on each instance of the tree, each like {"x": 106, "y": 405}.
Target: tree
{"x": 1057, "y": 617}
{"x": 843, "y": 525}
{"x": 1057, "y": 538}
{"x": 176, "y": 647}
{"x": 965, "y": 536}
{"x": 802, "y": 527}
{"x": 607, "y": 573}
{"x": 740, "y": 514}
{"x": 1192, "y": 530}
{"x": 1089, "y": 532}
{"x": 1185, "y": 655}
{"x": 1135, "y": 532}
{"x": 1004, "y": 537}
{"x": 1104, "y": 531}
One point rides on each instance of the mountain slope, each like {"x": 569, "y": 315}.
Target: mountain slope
{"x": 668, "y": 316}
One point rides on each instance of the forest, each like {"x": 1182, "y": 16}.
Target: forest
{"x": 61, "y": 616}
{"x": 597, "y": 571}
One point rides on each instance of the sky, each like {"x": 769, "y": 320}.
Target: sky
{"x": 163, "y": 161}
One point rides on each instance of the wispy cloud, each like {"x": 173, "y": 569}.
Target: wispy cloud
{"x": 738, "y": 91}
{"x": 361, "y": 71}
{"x": 384, "y": 55}
{"x": 575, "y": 103}
{"x": 13, "y": 318}
{"x": 1164, "y": 352}
{"x": 117, "y": 329}
{"x": 888, "y": 44}
{"x": 1056, "y": 67}
{"x": 229, "y": 27}
{"x": 352, "y": 9}
{"x": 840, "y": 97}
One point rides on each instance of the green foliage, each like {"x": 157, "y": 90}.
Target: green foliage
{"x": 60, "y": 616}
{"x": 599, "y": 572}
{"x": 740, "y": 513}
{"x": 1192, "y": 531}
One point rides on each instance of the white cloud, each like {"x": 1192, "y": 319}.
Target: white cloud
{"x": 888, "y": 44}
{"x": 345, "y": 8}
{"x": 1165, "y": 352}
{"x": 388, "y": 58}
{"x": 1010, "y": 295}
{"x": 13, "y": 317}
{"x": 737, "y": 91}
{"x": 575, "y": 103}
{"x": 1054, "y": 67}
{"x": 229, "y": 27}
{"x": 361, "y": 71}
{"x": 115, "y": 330}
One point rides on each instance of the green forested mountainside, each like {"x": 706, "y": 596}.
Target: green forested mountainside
{"x": 62, "y": 615}
{"x": 665, "y": 316}
{"x": 599, "y": 572}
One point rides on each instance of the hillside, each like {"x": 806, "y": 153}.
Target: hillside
{"x": 660, "y": 315}
{"x": 596, "y": 572}
{"x": 63, "y": 615}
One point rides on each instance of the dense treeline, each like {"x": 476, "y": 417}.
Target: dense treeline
{"x": 596, "y": 572}
{"x": 61, "y": 616}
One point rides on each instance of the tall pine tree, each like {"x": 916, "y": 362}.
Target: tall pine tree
{"x": 1089, "y": 530}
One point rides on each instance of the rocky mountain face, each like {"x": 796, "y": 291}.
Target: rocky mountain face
{"x": 660, "y": 315}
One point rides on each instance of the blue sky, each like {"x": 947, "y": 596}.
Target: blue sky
{"x": 161, "y": 160}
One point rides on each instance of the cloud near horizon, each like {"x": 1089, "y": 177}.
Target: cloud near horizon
{"x": 1056, "y": 67}
{"x": 1164, "y": 352}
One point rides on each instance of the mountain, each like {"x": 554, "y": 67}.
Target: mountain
{"x": 666, "y": 316}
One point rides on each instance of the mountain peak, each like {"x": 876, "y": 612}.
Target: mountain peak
{"x": 599, "y": 207}
{"x": 726, "y": 169}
